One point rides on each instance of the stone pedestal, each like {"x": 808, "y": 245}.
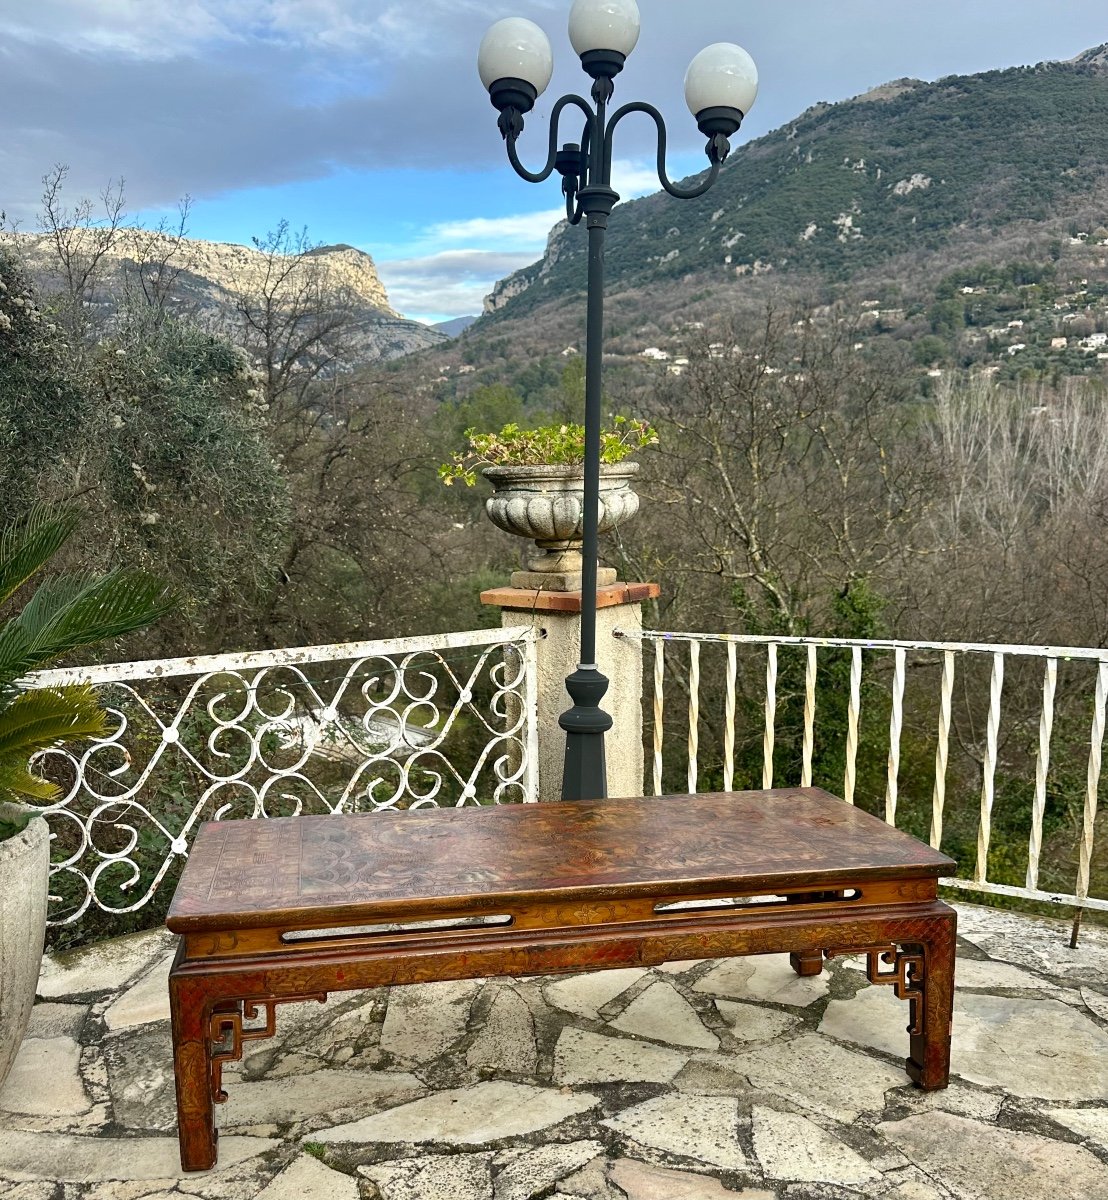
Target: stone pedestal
{"x": 557, "y": 614}
{"x": 559, "y": 581}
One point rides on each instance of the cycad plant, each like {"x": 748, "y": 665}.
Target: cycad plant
{"x": 65, "y": 613}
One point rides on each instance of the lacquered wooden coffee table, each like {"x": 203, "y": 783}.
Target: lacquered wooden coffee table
{"x": 290, "y": 909}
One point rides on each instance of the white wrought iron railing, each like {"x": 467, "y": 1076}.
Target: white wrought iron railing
{"x": 1013, "y": 734}
{"x": 367, "y": 726}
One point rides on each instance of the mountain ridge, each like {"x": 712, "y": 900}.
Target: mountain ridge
{"x": 906, "y": 167}
{"x": 207, "y": 276}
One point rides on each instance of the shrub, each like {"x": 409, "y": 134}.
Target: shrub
{"x": 551, "y": 445}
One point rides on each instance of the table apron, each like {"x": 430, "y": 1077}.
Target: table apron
{"x": 558, "y": 913}
{"x": 352, "y": 965}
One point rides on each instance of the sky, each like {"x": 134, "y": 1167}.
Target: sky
{"x": 364, "y": 121}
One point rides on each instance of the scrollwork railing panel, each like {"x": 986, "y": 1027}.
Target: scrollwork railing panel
{"x": 367, "y": 727}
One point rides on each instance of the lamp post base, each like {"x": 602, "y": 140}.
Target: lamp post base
{"x": 557, "y": 652}
{"x": 584, "y": 774}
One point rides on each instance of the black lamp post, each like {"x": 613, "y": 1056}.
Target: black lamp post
{"x": 515, "y": 64}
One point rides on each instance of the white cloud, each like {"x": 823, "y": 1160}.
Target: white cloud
{"x": 454, "y": 265}
{"x": 529, "y": 231}
{"x": 431, "y": 302}
{"x": 135, "y": 28}
{"x": 633, "y": 179}
{"x": 461, "y": 262}
{"x": 159, "y": 29}
{"x": 523, "y": 231}
{"x": 448, "y": 283}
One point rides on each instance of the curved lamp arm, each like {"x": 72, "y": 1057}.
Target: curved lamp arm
{"x": 656, "y": 116}
{"x": 555, "y": 115}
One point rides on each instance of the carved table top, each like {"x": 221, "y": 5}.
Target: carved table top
{"x": 244, "y": 874}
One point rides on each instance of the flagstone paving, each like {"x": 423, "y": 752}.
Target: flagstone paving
{"x": 695, "y": 1081}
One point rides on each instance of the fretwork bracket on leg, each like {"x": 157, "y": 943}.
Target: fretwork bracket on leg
{"x": 921, "y": 972}
{"x": 229, "y": 1035}
{"x": 906, "y": 977}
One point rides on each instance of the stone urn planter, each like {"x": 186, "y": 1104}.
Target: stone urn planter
{"x": 24, "y": 870}
{"x": 546, "y": 504}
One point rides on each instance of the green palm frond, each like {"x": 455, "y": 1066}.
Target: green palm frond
{"x": 65, "y": 614}
{"x": 78, "y": 610}
{"x": 28, "y": 544}
{"x": 37, "y": 720}
{"x": 14, "y": 652}
{"x": 44, "y": 717}
{"x": 16, "y": 780}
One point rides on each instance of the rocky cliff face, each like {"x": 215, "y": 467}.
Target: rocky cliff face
{"x": 355, "y": 270}
{"x": 516, "y": 284}
{"x": 1096, "y": 57}
{"x": 209, "y": 277}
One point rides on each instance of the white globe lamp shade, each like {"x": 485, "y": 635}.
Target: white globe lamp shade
{"x": 604, "y": 25}
{"x": 516, "y": 48}
{"x": 721, "y": 76}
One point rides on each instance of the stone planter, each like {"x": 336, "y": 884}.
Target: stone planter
{"x": 24, "y": 870}
{"x": 546, "y": 504}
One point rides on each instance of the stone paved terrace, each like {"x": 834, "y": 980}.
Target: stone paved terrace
{"x": 695, "y": 1081}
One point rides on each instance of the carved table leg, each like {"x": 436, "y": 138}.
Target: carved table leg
{"x": 190, "y": 1010}
{"x": 807, "y": 962}
{"x": 919, "y": 964}
{"x": 208, "y": 1031}
{"x": 929, "y": 1055}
